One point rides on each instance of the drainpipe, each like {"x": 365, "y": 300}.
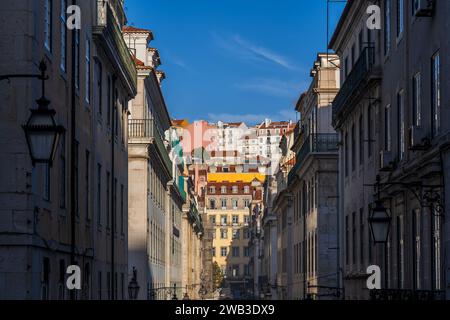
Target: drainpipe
{"x": 73, "y": 196}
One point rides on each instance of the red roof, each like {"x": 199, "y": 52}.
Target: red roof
{"x": 130, "y": 29}
{"x": 279, "y": 124}
{"x": 138, "y": 62}
{"x": 135, "y": 30}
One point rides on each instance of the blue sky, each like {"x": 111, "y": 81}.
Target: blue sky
{"x": 234, "y": 60}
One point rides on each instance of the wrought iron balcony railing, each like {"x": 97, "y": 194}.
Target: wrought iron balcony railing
{"x": 109, "y": 22}
{"x": 314, "y": 143}
{"x": 362, "y": 68}
{"x": 145, "y": 130}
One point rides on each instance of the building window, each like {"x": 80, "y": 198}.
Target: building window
{"x": 122, "y": 287}
{"x": 437, "y": 251}
{"x": 401, "y": 125}
{"x": 436, "y": 94}
{"x": 361, "y": 236}
{"x": 361, "y": 140}
{"x": 246, "y": 252}
{"x": 246, "y": 234}
{"x": 387, "y": 128}
{"x": 369, "y": 130}
{"x": 417, "y": 228}
{"x": 246, "y": 189}
{"x": 48, "y": 24}
{"x": 223, "y": 189}
{"x": 212, "y": 220}
{"x": 212, "y": 203}
{"x": 108, "y": 284}
{"x": 223, "y": 251}
{"x": 63, "y": 26}
{"x": 346, "y": 154}
{"x": 353, "y": 147}
{"x": 99, "y": 78}
{"x": 45, "y": 279}
{"x": 213, "y": 251}
{"x": 108, "y": 209}
{"x": 387, "y": 26}
{"x": 88, "y": 70}
{"x": 235, "y": 270}
{"x": 62, "y": 178}
{"x": 235, "y": 189}
{"x": 417, "y": 112}
{"x": 347, "y": 241}
{"x": 354, "y": 240}
{"x": 88, "y": 185}
{"x": 235, "y": 203}
{"x": 353, "y": 55}
{"x": 400, "y": 253}
{"x": 77, "y": 59}
{"x": 235, "y": 252}
{"x": 235, "y": 219}
{"x": 76, "y": 182}
{"x": 224, "y": 203}
{"x": 122, "y": 210}
{"x": 99, "y": 194}
{"x": 246, "y": 270}
{"x": 99, "y": 293}
{"x": 108, "y": 101}
{"x": 62, "y": 280}
{"x": 400, "y": 17}
{"x": 223, "y": 233}
{"x": 212, "y": 190}
{"x": 346, "y": 68}
{"x": 247, "y": 203}
{"x": 236, "y": 234}
{"x": 360, "y": 41}
{"x": 114, "y": 217}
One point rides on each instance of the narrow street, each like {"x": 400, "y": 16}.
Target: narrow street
{"x": 225, "y": 150}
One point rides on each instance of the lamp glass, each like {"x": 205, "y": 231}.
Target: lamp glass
{"x": 380, "y": 224}
{"x": 42, "y": 135}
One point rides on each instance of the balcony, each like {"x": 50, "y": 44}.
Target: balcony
{"x": 145, "y": 131}
{"x": 314, "y": 143}
{"x": 362, "y": 74}
{"x": 107, "y": 32}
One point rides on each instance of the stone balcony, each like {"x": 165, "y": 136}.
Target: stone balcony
{"x": 107, "y": 33}
{"x": 144, "y": 131}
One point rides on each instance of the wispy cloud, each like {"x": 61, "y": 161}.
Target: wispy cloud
{"x": 273, "y": 87}
{"x": 176, "y": 61}
{"x": 251, "y": 118}
{"x": 245, "y": 49}
{"x": 180, "y": 63}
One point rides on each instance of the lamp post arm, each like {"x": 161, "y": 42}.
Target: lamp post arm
{"x": 424, "y": 200}
{"x": 21, "y": 76}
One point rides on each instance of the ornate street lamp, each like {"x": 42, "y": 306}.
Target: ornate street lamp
{"x": 133, "y": 287}
{"x": 380, "y": 223}
{"x": 41, "y": 131}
